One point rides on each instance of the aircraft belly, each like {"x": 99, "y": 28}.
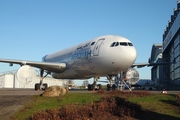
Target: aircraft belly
{"x": 78, "y": 70}
{"x": 69, "y": 74}
{"x": 83, "y": 68}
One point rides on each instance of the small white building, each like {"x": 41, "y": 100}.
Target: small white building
{"x": 9, "y": 80}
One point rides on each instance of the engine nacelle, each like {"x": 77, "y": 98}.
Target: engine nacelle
{"x": 26, "y": 74}
{"x": 132, "y": 76}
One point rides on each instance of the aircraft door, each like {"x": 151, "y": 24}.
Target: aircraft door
{"x": 97, "y": 47}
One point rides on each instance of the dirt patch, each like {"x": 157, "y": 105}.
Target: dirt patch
{"x": 9, "y": 104}
{"x": 113, "y": 106}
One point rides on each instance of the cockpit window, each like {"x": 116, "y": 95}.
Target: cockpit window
{"x": 123, "y": 43}
{"x": 130, "y": 44}
{"x": 112, "y": 45}
{"x": 92, "y": 43}
{"x": 117, "y": 43}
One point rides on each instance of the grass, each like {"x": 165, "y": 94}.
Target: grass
{"x": 163, "y": 106}
{"x": 154, "y": 106}
{"x": 42, "y": 103}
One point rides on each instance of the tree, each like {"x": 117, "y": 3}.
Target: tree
{"x": 85, "y": 83}
{"x": 70, "y": 83}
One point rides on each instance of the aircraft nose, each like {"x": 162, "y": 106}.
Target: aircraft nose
{"x": 129, "y": 55}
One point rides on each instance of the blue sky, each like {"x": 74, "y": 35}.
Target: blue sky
{"x": 31, "y": 29}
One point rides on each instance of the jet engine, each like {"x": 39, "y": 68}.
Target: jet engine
{"x": 132, "y": 76}
{"x": 26, "y": 74}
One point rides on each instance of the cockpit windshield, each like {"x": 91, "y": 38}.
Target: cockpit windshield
{"x": 114, "y": 44}
{"x": 123, "y": 44}
{"x": 130, "y": 44}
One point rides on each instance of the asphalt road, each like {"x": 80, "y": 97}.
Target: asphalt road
{"x": 11, "y": 91}
{"x": 11, "y": 100}
{"x": 17, "y": 91}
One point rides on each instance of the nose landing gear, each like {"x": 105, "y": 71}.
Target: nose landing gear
{"x": 119, "y": 82}
{"x": 110, "y": 86}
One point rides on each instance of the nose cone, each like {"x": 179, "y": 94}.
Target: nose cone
{"x": 128, "y": 56}
{"x": 131, "y": 55}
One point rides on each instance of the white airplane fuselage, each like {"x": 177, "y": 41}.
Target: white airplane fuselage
{"x": 102, "y": 56}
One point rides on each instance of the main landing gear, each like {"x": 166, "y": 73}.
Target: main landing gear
{"x": 40, "y": 85}
{"x": 115, "y": 82}
{"x": 94, "y": 86}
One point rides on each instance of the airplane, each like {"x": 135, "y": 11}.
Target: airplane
{"x": 108, "y": 55}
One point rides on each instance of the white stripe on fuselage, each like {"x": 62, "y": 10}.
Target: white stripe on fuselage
{"x": 86, "y": 60}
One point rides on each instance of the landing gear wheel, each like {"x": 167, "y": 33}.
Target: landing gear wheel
{"x": 44, "y": 86}
{"x": 89, "y": 87}
{"x": 37, "y": 86}
{"x": 99, "y": 87}
{"x": 108, "y": 87}
{"x": 113, "y": 87}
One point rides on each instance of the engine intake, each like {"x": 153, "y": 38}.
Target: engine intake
{"x": 132, "y": 76}
{"x": 26, "y": 74}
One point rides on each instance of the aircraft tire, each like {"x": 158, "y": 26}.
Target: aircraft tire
{"x": 45, "y": 86}
{"x": 89, "y": 87}
{"x": 113, "y": 87}
{"x": 100, "y": 87}
{"x": 37, "y": 86}
{"x": 108, "y": 87}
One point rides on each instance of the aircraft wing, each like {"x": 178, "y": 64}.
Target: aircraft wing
{"x": 139, "y": 65}
{"x": 49, "y": 66}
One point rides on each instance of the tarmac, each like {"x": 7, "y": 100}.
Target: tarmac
{"x": 20, "y": 91}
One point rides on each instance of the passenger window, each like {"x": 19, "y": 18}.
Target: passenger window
{"x": 130, "y": 44}
{"x": 92, "y": 43}
{"x": 123, "y": 43}
{"x": 112, "y": 45}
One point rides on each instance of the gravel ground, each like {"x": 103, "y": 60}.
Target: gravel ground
{"x": 9, "y": 104}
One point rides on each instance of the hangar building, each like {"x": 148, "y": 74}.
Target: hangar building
{"x": 171, "y": 51}
{"x": 168, "y": 76}
{"x": 157, "y": 71}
